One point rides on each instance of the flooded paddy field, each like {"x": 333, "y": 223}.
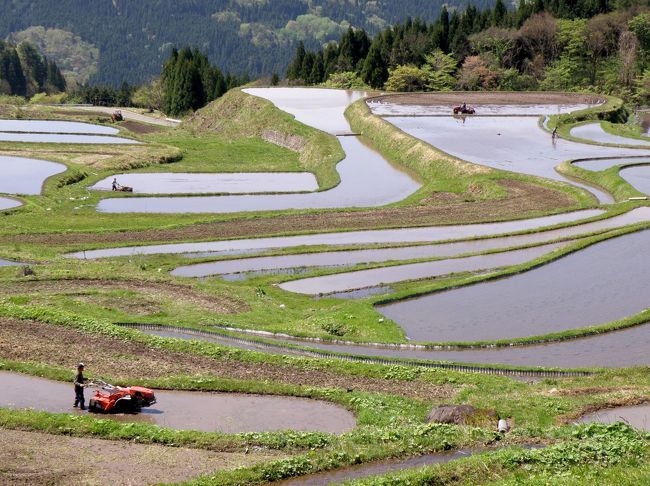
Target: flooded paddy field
{"x": 637, "y": 416}
{"x": 638, "y": 177}
{"x": 405, "y": 235}
{"x": 355, "y": 257}
{"x": 55, "y": 126}
{"x": 516, "y": 144}
{"x": 595, "y": 133}
{"x": 9, "y": 203}
{"x": 209, "y": 412}
{"x": 342, "y": 282}
{"x": 235, "y": 183}
{"x": 367, "y": 179}
{"x": 594, "y": 286}
{"x": 64, "y": 138}
{"x": 26, "y": 176}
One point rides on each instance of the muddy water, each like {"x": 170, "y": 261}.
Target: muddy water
{"x": 367, "y": 179}
{"x": 9, "y": 203}
{"x": 373, "y": 469}
{"x": 405, "y": 235}
{"x": 235, "y": 183}
{"x": 392, "y": 109}
{"x": 354, "y": 257}
{"x": 595, "y": 132}
{"x": 599, "y": 284}
{"x": 319, "y": 108}
{"x": 635, "y": 416}
{"x": 63, "y": 138}
{"x": 26, "y": 176}
{"x": 638, "y": 177}
{"x": 7, "y": 263}
{"x": 209, "y": 412}
{"x": 342, "y": 282}
{"x": 619, "y": 349}
{"x": 51, "y": 126}
{"x": 516, "y": 144}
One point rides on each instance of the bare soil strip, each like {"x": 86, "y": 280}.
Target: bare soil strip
{"x": 522, "y": 200}
{"x": 28, "y": 458}
{"x": 125, "y": 361}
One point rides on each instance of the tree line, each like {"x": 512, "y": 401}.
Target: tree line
{"x": 600, "y": 45}
{"x": 25, "y": 71}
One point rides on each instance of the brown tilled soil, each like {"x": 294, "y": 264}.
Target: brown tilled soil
{"x": 30, "y": 458}
{"x": 140, "y": 128}
{"x": 124, "y": 360}
{"x": 155, "y": 290}
{"x": 443, "y": 208}
{"x": 490, "y": 98}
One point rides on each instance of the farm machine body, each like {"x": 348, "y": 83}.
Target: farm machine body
{"x": 117, "y": 399}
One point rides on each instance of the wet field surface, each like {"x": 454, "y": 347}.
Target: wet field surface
{"x": 341, "y": 282}
{"x": 598, "y": 165}
{"x": 354, "y": 257}
{"x": 516, "y": 144}
{"x": 63, "y": 138}
{"x": 405, "y": 235}
{"x": 637, "y": 416}
{"x": 367, "y": 180}
{"x": 393, "y": 109}
{"x": 209, "y": 412}
{"x": 52, "y": 126}
{"x": 7, "y": 263}
{"x": 9, "y": 203}
{"x": 595, "y": 132}
{"x": 617, "y": 349}
{"x": 26, "y": 176}
{"x": 638, "y": 177}
{"x": 235, "y": 183}
{"x": 374, "y": 469}
{"x": 596, "y": 285}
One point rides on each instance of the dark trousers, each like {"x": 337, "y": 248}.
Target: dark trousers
{"x": 79, "y": 398}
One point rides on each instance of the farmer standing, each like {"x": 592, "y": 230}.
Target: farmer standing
{"x": 115, "y": 184}
{"x": 79, "y": 382}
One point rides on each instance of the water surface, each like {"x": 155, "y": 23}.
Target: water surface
{"x": 635, "y": 416}
{"x": 638, "y": 177}
{"x": 355, "y": 257}
{"x": 516, "y": 144}
{"x": 209, "y": 412}
{"x": 595, "y": 132}
{"x": 367, "y": 179}
{"x": 52, "y": 126}
{"x": 26, "y": 176}
{"x": 9, "y": 203}
{"x": 398, "y": 109}
{"x": 232, "y": 183}
{"x": 63, "y": 138}
{"x": 341, "y": 282}
{"x": 597, "y": 285}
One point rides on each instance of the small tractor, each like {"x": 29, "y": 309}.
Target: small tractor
{"x": 117, "y": 399}
{"x": 117, "y": 116}
{"x": 464, "y": 110}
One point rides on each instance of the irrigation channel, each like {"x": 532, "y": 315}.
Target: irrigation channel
{"x": 209, "y": 412}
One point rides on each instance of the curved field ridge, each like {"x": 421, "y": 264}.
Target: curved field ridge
{"x": 367, "y": 178}
{"x": 355, "y": 257}
{"x": 406, "y": 235}
{"x": 595, "y": 133}
{"x": 617, "y": 349}
{"x": 52, "y": 126}
{"x": 26, "y": 176}
{"x": 235, "y": 183}
{"x": 209, "y": 412}
{"x": 597, "y": 285}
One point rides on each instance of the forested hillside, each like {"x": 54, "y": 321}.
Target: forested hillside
{"x": 241, "y": 36}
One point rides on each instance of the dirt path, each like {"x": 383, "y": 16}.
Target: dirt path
{"x": 132, "y": 115}
{"x": 28, "y": 458}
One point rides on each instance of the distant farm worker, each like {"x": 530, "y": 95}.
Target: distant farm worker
{"x": 79, "y": 383}
{"x": 554, "y": 135}
{"x": 464, "y": 106}
{"x": 115, "y": 184}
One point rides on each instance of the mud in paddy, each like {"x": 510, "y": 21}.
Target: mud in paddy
{"x": 204, "y": 411}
